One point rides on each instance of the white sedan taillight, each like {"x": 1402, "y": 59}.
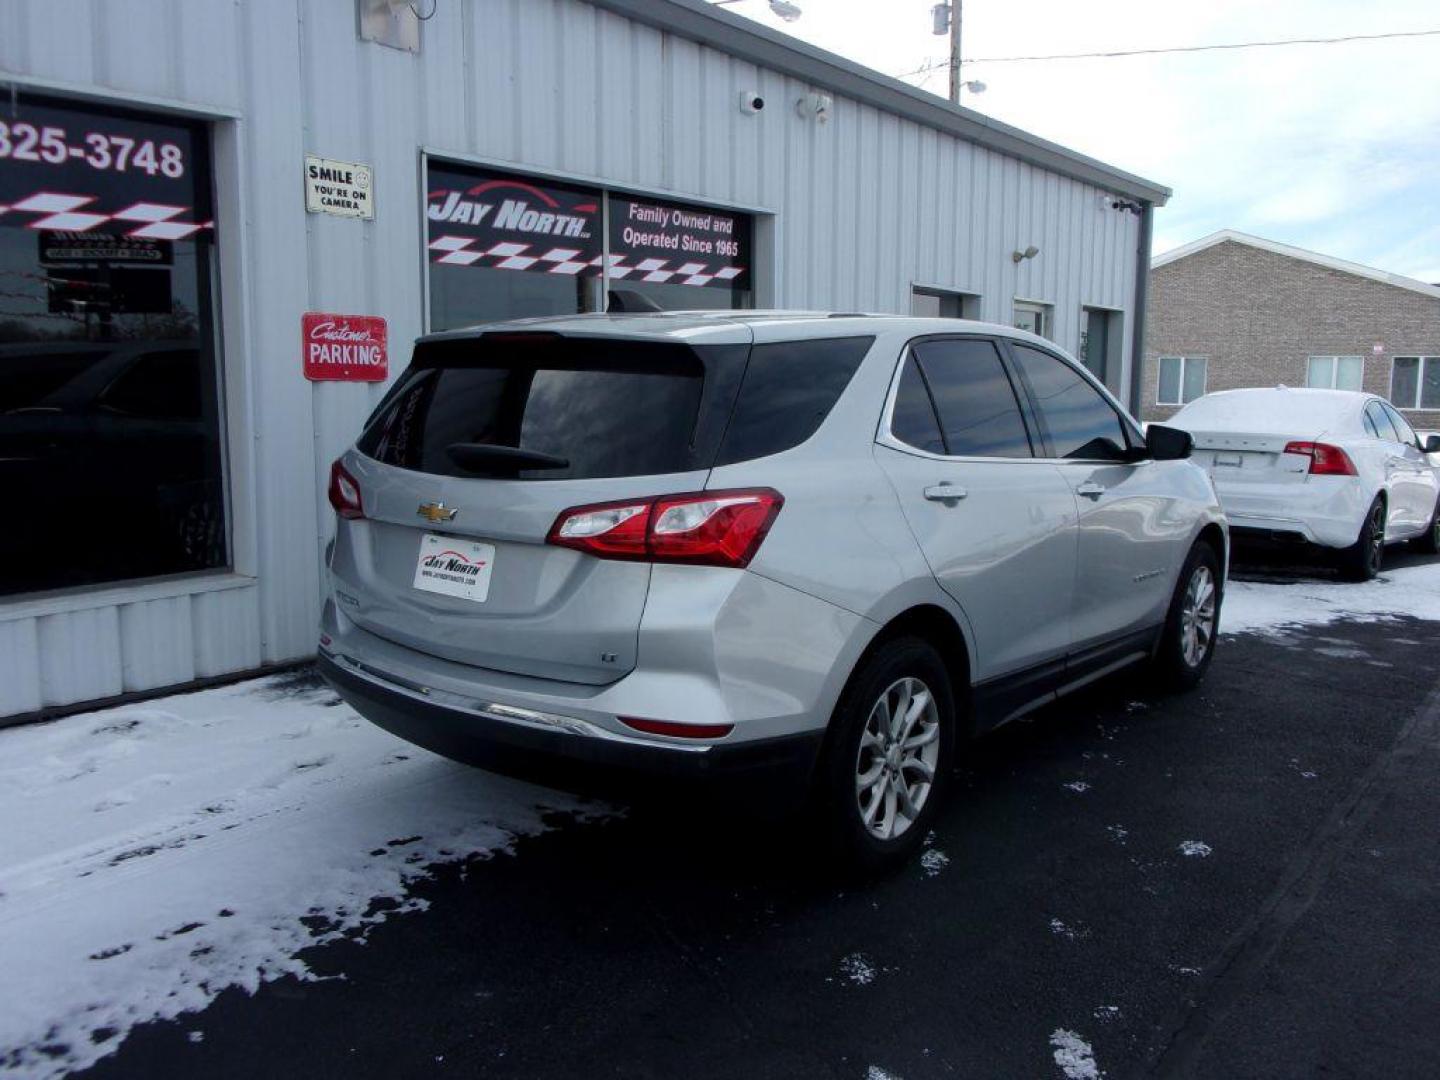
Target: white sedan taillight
{"x": 1325, "y": 459}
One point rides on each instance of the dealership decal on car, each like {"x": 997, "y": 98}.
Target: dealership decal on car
{"x": 454, "y": 567}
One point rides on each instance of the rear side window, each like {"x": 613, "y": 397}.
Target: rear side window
{"x": 1403, "y": 431}
{"x": 1375, "y": 417}
{"x": 979, "y": 413}
{"x": 789, "y": 389}
{"x": 1079, "y": 422}
{"x": 913, "y": 420}
{"x": 571, "y": 408}
{"x": 1370, "y": 424}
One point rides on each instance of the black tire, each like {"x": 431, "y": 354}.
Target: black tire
{"x": 1362, "y": 560}
{"x": 853, "y": 844}
{"x": 1178, "y": 664}
{"x": 1428, "y": 543}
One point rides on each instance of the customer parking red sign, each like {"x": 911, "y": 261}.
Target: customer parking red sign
{"x": 348, "y": 348}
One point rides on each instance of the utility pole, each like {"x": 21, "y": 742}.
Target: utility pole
{"x": 955, "y": 52}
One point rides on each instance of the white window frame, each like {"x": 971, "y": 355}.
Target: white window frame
{"x": 1423, "y": 363}
{"x": 1039, "y": 307}
{"x": 1185, "y": 362}
{"x": 1334, "y": 371}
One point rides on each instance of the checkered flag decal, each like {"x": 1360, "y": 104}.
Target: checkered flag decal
{"x": 69, "y": 213}
{"x": 463, "y": 251}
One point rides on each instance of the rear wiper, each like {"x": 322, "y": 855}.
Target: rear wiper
{"x": 485, "y": 457}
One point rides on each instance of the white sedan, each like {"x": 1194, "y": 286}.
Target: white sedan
{"x": 1330, "y": 467}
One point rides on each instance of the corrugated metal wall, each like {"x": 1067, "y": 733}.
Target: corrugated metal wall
{"x": 864, "y": 206}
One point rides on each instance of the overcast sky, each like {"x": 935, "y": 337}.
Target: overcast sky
{"x": 1335, "y": 148}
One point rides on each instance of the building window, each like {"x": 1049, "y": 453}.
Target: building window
{"x": 943, "y": 304}
{"x": 483, "y": 227}
{"x": 680, "y": 257}
{"x": 110, "y": 423}
{"x": 1415, "y": 382}
{"x": 503, "y": 246}
{"x": 1182, "y": 380}
{"x": 1033, "y": 317}
{"x": 1336, "y": 372}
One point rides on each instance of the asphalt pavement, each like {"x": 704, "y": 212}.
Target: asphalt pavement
{"x": 1236, "y": 882}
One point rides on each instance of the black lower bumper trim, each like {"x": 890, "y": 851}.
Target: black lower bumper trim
{"x": 574, "y": 762}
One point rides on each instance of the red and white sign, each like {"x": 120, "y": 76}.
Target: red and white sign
{"x": 348, "y": 348}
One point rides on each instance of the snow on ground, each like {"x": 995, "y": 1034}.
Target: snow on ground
{"x": 1252, "y": 606}
{"x": 858, "y": 969}
{"x": 153, "y": 855}
{"x": 933, "y": 861}
{"x": 1074, "y": 1056}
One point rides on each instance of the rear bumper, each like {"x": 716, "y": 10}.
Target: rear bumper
{"x": 1320, "y": 510}
{"x": 541, "y": 747}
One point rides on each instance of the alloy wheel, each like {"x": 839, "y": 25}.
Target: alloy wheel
{"x": 895, "y": 764}
{"x": 1197, "y": 617}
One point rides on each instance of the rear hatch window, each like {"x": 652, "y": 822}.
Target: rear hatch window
{"x": 543, "y": 407}
{"x": 546, "y": 407}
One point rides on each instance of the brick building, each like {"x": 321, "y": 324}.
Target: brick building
{"x": 1232, "y": 310}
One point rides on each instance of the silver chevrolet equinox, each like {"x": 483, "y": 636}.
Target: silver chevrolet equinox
{"x": 826, "y": 548}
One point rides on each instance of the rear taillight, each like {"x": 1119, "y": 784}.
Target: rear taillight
{"x": 709, "y": 528}
{"x": 345, "y": 493}
{"x": 1325, "y": 460}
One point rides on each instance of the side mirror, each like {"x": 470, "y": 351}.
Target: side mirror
{"x": 1168, "y": 443}
{"x": 1431, "y": 444}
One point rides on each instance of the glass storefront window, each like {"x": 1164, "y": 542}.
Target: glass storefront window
{"x": 680, "y": 257}
{"x": 110, "y": 427}
{"x": 504, "y": 246}
{"x": 507, "y": 247}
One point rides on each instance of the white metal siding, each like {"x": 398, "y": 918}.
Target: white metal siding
{"x": 864, "y": 206}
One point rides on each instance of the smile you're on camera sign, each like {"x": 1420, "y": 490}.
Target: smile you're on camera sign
{"x": 343, "y": 188}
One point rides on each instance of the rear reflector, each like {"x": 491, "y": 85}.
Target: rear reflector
{"x": 345, "y": 492}
{"x": 678, "y": 731}
{"x": 708, "y": 528}
{"x": 1325, "y": 460}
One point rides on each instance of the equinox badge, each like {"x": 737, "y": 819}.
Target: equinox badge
{"x": 436, "y": 512}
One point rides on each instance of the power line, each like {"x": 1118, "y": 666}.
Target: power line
{"x": 930, "y": 65}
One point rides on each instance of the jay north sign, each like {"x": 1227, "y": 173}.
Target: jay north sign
{"x": 495, "y": 221}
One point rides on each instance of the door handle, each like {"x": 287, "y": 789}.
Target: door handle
{"x": 945, "y": 493}
{"x": 1090, "y": 489}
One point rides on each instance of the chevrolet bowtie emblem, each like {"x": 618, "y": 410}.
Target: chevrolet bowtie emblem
{"x": 436, "y": 512}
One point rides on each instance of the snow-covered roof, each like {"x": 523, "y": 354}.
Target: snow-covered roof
{"x": 1327, "y": 261}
